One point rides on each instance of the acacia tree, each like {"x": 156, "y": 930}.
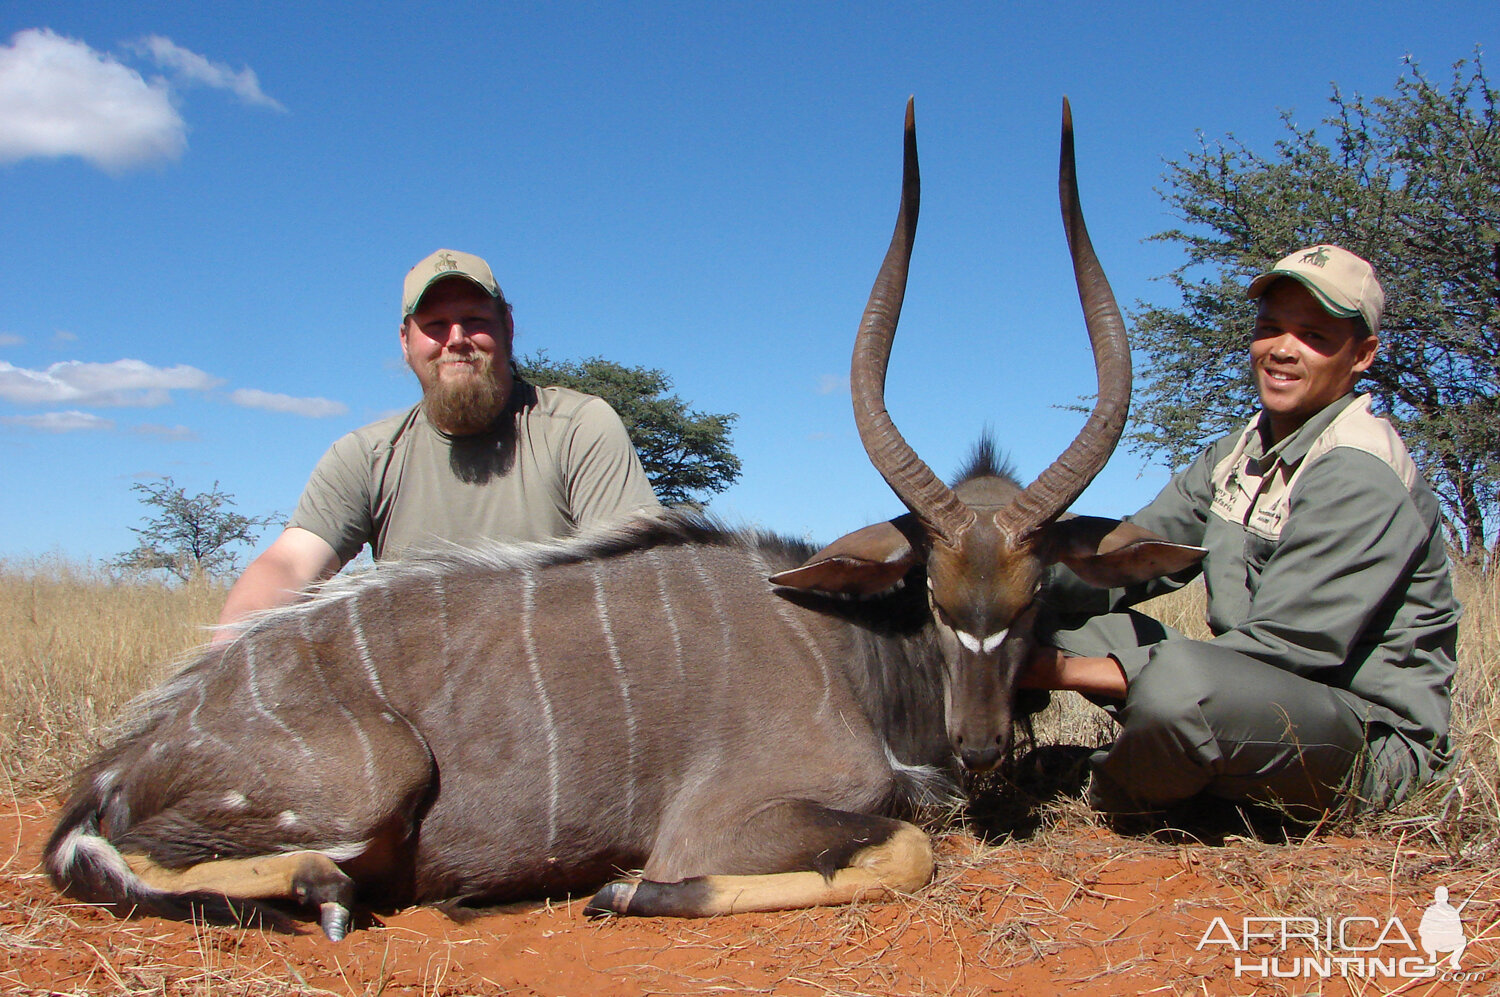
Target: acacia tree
{"x": 1410, "y": 181}
{"x": 686, "y": 453}
{"x": 189, "y": 535}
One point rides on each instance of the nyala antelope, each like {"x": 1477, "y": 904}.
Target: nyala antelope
{"x": 487, "y": 725}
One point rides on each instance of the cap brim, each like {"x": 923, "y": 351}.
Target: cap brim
{"x": 416, "y": 302}
{"x": 1258, "y": 287}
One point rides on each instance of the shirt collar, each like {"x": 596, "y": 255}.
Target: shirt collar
{"x": 1297, "y": 443}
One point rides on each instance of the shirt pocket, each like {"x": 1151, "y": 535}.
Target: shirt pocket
{"x": 1258, "y": 551}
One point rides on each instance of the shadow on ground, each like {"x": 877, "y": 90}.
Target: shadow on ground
{"x": 1027, "y": 795}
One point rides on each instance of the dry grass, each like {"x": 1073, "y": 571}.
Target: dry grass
{"x": 1461, "y": 812}
{"x": 76, "y": 644}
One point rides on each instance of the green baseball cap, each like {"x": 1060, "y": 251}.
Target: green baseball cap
{"x": 1343, "y": 283}
{"x": 442, "y": 265}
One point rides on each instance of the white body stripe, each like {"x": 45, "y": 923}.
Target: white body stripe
{"x": 726, "y": 642}
{"x": 622, "y": 680}
{"x": 353, "y": 721}
{"x": 258, "y": 702}
{"x": 671, "y": 618}
{"x": 796, "y": 626}
{"x": 528, "y": 616}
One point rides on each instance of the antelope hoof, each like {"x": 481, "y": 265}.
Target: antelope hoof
{"x": 614, "y": 898}
{"x": 334, "y": 919}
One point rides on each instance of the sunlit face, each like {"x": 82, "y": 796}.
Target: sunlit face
{"x": 455, "y": 324}
{"x": 1302, "y": 357}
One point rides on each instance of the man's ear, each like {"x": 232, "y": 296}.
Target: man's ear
{"x": 1364, "y": 353}
{"x": 401, "y": 335}
{"x": 865, "y": 562}
{"x": 1110, "y": 553}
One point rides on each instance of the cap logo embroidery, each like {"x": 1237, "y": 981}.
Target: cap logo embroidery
{"x": 445, "y": 262}
{"x": 1317, "y": 257}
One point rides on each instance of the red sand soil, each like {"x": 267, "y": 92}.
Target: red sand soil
{"x": 1082, "y": 911}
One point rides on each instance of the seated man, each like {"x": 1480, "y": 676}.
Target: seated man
{"x": 1328, "y": 676}
{"x": 483, "y": 455}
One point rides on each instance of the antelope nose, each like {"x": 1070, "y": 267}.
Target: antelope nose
{"x": 979, "y": 759}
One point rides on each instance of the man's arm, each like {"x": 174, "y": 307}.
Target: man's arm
{"x": 1050, "y": 668}
{"x": 297, "y": 559}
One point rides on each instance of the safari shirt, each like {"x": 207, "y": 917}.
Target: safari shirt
{"x": 398, "y": 483}
{"x": 1325, "y": 558}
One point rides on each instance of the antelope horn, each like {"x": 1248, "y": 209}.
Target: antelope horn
{"x": 1059, "y": 485}
{"x": 913, "y": 481}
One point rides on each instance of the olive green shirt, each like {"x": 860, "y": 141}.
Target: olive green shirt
{"x": 557, "y": 461}
{"x": 1325, "y": 558}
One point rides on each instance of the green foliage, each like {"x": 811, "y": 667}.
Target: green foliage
{"x": 188, "y": 536}
{"x": 1412, "y": 183}
{"x": 685, "y": 452}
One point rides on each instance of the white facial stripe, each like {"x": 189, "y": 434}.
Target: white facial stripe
{"x": 976, "y": 646}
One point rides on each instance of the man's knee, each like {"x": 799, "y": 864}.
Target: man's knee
{"x": 1169, "y": 694}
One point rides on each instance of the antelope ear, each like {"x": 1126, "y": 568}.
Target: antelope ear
{"x": 865, "y": 562}
{"x": 1110, "y": 553}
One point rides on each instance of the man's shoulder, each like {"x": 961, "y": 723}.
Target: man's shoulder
{"x": 1359, "y": 429}
{"x": 557, "y": 403}
{"x": 380, "y": 435}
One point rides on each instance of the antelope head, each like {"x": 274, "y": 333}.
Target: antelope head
{"x": 986, "y": 543}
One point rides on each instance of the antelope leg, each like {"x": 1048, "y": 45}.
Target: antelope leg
{"x": 307, "y": 877}
{"x": 889, "y": 856}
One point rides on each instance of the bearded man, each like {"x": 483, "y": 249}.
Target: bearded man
{"x": 484, "y": 455}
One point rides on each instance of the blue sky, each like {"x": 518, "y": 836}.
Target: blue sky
{"x": 208, "y": 210}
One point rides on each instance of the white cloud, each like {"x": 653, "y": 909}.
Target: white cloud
{"x": 62, "y": 337}
{"x": 830, "y": 384}
{"x": 58, "y": 97}
{"x": 165, "y": 432}
{"x": 194, "y": 68}
{"x": 120, "y": 383}
{"x": 10, "y": 339}
{"x": 60, "y": 422}
{"x": 313, "y": 408}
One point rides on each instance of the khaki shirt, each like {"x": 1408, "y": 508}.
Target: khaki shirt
{"x": 566, "y": 464}
{"x": 1325, "y": 557}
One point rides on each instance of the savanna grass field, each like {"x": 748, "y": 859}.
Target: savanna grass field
{"x": 1033, "y": 895}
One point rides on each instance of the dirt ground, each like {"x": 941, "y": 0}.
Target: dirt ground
{"x": 1080, "y": 911}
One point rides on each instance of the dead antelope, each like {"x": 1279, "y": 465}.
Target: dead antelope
{"x": 485, "y": 725}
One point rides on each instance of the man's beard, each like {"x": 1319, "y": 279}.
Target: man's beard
{"x": 462, "y": 406}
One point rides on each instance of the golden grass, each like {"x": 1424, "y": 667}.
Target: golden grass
{"x": 76, "y": 644}
{"x": 1461, "y": 812}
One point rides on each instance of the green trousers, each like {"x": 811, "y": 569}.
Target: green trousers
{"x": 1199, "y": 719}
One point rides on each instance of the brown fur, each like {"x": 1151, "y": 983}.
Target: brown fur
{"x": 512, "y": 722}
